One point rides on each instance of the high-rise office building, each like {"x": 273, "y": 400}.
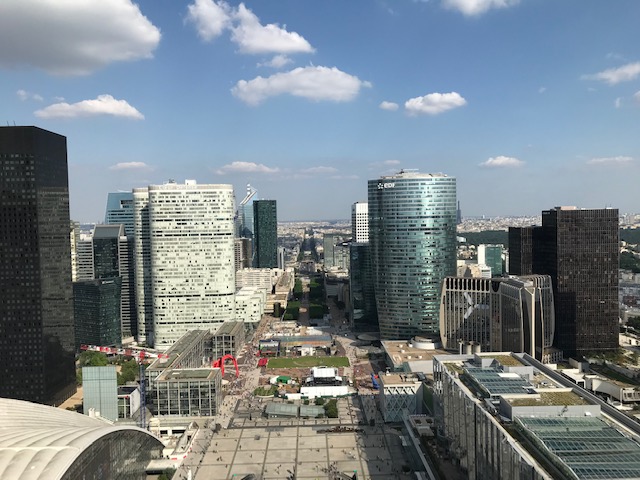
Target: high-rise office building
{"x": 579, "y": 249}
{"x": 36, "y": 311}
{"x": 499, "y": 314}
{"x": 362, "y": 301}
{"x": 360, "y": 222}
{"x": 412, "y": 233}
{"x": 96, "y": 308}
{"x": 520, "y": 250}
{"x": 142, "y": 265}
{"x": 491, "y": 256}
{"x": 190, "y": 276}
{"x": 329, "y": 242}
{"x": 120, "y": 211}
{"x": 265, "y": 234}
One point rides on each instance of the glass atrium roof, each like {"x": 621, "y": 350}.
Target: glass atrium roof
{"x": 496, "y": 382}
{"x": 586, "y": 447}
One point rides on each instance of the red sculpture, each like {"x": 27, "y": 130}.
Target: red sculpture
{"x": 219, "y": 363}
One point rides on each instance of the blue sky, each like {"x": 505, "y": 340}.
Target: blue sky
{"x": 529, "y": 104}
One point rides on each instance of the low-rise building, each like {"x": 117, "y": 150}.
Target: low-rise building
{"x": 400, "y": 395}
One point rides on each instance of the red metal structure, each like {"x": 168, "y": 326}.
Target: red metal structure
{"x": 219, "y": 363}
{"x": 140, "y": 355}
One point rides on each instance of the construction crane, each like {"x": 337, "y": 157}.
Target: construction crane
{"x": 140, "y": 355}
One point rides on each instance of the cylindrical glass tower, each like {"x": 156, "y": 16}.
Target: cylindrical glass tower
{"x": 412, "y": 233}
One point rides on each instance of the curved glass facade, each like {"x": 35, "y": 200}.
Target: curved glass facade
{"x": 120, "y": 455}
{"x": 412, "y": 233}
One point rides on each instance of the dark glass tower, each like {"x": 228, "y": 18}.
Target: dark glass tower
{"x": 36, "y": 307}
{"x": 97, "y": 312}
{"x": 265, "y": 233}
{"x": 520, "y": 250}
{"x": 579, "y": 249}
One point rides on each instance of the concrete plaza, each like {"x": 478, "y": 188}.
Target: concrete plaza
{"x": 281, "y": 448}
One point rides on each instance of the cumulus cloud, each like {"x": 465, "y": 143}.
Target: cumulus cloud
{"x": 278, "y": 61}
{"x": 611, "y": 161}
{"x": 210, "y": 18}
{"x": 388, "y": 106}
{"x": 313, "y": 83}
{"x": 434, "y": 103}
{"x": 502, "y": 162}
{"x": 612, "y": 76}
{"x": 67, "y": 37}
{"x": 477, "y": 7}
{"x": 103, "y": 105}
{"x": 319, "y": 170}
{"x": 245, "y": 167}
{"x": 252, "y": 37}
{"x": 24, "y": 95}
{"x": 129, "y": 166}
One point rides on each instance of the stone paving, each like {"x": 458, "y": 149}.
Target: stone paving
{"x": 296, "y": 448}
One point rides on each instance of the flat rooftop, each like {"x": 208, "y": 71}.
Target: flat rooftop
{"x": 188, "y": 374}
{"x": 546, "y": 398}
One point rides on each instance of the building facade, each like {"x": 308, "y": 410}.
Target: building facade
{"x": 499, "y": 314}
{"x": 491, "y": 256}
{"x": 579, "y": 250}
{"x": 412, "y": 233}
{"x": 120, "y": 211}
{"x": 265, "y": 233}
{"x": 191, "y": 258}
{"x": 96, "y": 308}
{"x": 360, "y": 222}
{"x": 362, "y": 301}
{"x": 36, "y": 314}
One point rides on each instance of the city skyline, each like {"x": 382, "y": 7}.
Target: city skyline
{"x": 266, "y": 93}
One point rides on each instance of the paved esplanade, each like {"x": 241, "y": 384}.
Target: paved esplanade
{"x": 279, "y": 448}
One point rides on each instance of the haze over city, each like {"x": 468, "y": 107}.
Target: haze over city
{"x": 529, "y": 104}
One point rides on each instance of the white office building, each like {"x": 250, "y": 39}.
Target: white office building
{"x": 191, "y": 270}
{"x": 360, "y": 222}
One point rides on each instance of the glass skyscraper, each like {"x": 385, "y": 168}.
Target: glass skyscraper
{"x": 36, "y": 311}
{"x": 265, "y": 233}
{"x": 412, "y": 233}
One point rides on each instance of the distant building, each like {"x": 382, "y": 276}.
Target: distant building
{"x": 491, "y": 256}
{"x": 362, "y": 303}
{"x": 243, "y": 253}
{"x": 190, "y": 276}
{"x": 96, "y": 309}
{"x": 281, "y": 258}
{"x": 329, "y": 242}
{"x": 360, "y": 222}
{"x": 520, "y": 250}
{"x": 265, "y": 234}
{"x": 37, "y": 347}
{"x": 412, "y": 234}
{"x": 120, "y": 211}
{"x": 579, "y": 249}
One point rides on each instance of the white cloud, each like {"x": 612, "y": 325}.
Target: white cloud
{"x": 344, "y": 177}
{"x": 619, "y": 160}
{"x": 617, "y": 102}
{"x": 636, "y": 96}
{"x": 502, "y": 162}
{"x": 69, "y": 37}
{"x": 477, "y": 7}
{"x": 313, "y": 83}
{"x": 210, "y": 18}
{"x": 277, "y": 61}
{"x": 434, "y": 103}
{"x": 103, "y": 105}
{"x": 319, "y": 170}
{"x": 388, "y": 106}
{"x": 245, "y": 167}
{"x": 129, "y": 166}
{"x": 612, "y": 76}
{"x": 391, "y": 162}
{"x": 252, "y": 37}
{"x": 24, "y": 95}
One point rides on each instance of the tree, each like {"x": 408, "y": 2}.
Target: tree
{"x": 331, "y": 408}
{"x": 128, "y": 372}
{"x": 92, "y": 359}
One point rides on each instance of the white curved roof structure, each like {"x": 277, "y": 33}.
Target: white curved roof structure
{"x": 38, "y": 442}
